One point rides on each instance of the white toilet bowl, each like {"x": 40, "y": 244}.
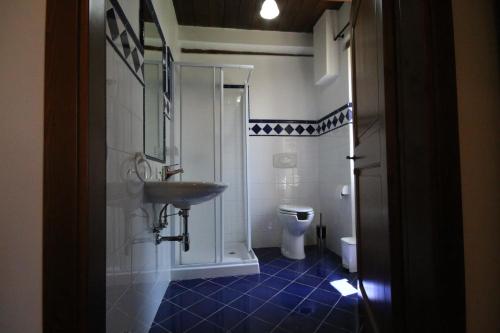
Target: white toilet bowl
{"x": 295, "y": 221}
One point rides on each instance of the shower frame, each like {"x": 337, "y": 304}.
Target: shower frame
{"x": 218, "y": 267}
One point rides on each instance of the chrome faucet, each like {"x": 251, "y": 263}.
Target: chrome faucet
{"x": 168, "y": 171}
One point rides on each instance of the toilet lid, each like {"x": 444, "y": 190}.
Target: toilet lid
{"x": 295, "y": 209}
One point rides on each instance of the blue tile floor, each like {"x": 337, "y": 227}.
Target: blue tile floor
{"x": 287, "y": 296}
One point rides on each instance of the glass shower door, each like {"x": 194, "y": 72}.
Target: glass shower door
{"x": 199, "y": 156}
{"x": 234, "y": 173}
{"x": 213, "y": 147}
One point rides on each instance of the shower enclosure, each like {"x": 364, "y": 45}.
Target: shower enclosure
{"x": 211, "y": 119}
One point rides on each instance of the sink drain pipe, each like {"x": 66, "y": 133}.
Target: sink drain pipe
{"x": 183, "y": 238}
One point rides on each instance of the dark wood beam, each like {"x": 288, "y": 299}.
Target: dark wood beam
{"x": 202, "y": 51}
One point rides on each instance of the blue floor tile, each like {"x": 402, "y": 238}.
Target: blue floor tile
{"x": 326, "y": 328}
{"x": 259, "y": 278}
{"x": 276, "y": 283}
{"x": 271, "y": 313}
{"x": 268, "y": 269}
{"x": 262, "y": 292}
{"x": 253, "y": 325}
{"x": 288, "y": 274}
{"x": 225, "y": 280}
{"x": 327, "y": 264}
{"x": 339, "y": 274}
{"x": 242, "y": 285}
{"x": 226, "y": 295}
{"x": 265, "y": 259}
{"x": 325, "y": 297}
{"x": 205, "y": 308}
{"x": 309, "y": 280}
{"x": 180, "y": 322}
{"x": 206, "y": 327}
{"x": 157, "y": 329}
{"x": 286, "y": 300}
{"x": 227, "y": 317}
{"x": 342, "y": 319}
{"x": 325, "y": 285}
{"x": 173, "y": 290}
{"x": 246, "y": 303}
{"x": 349, "y": 304}
{"x": 189, "y": 283}
{"x": 280, "y": 263}
{"x": 300, "y": 266}
{"x": 319, "y": 271}
{"x": 207, "y": 288}
{"x": 287, "y": 296}
{"x": 313, "y": 309}
{"x": 299, "y": 289}
{"x": 187, "y": 299}
{"x": 296, "y": 323}
{"x": 166, "y": 310}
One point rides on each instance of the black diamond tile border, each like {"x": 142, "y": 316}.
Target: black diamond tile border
{"x": 281, "y": 127}
{"x": 122, "y": 37}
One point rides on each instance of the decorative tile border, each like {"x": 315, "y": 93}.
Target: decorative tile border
{"x": 278, "y": 127}
{"x": 121, "y": 36}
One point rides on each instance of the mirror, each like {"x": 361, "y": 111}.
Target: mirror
{"x": 156, "y": 102}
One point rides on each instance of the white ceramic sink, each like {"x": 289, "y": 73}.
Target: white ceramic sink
{"x": 182, "y": 194}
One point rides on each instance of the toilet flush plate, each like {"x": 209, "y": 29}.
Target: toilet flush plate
{"x": 285, "y": 160}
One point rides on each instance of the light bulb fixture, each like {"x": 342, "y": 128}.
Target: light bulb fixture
{"x": 269, "y": 9}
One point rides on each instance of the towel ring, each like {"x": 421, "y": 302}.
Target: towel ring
{"x": 139, "y": 159}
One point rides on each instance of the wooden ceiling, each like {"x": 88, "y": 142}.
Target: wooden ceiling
{"x": 295, "y": 15}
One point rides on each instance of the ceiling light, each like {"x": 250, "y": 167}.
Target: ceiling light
{"x": 269, "y": 9}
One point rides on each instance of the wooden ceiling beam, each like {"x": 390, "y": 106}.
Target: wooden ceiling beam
{"x": 296, "y": 15}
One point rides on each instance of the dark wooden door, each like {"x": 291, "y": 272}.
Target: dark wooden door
{"x": 371, "y": 165}
{"x": 409, "y": 227}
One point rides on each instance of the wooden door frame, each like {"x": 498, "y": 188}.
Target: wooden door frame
{"x": 74, "y": 203}
{"x": 423, "y": 166}
{"x": 74, "y": 222}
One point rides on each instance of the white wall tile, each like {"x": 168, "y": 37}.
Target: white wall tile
{"x": 134, "y": 263}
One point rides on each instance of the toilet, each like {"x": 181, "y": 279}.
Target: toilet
{"x": 295, "y": 221}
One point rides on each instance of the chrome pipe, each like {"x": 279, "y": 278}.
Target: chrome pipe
{"x": 184, "y": 237}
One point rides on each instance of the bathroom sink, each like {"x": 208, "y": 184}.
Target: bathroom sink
{"x": 182, "y": 194}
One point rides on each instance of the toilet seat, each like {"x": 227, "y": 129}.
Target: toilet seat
{"x": 294, "y": 209}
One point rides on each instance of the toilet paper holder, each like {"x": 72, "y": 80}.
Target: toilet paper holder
{"x": 345, "y": 191}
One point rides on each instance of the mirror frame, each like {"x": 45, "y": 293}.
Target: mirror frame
{"x": 148, "y": 5}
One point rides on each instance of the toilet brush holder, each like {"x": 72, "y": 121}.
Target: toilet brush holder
{"x": 320, "y": 234}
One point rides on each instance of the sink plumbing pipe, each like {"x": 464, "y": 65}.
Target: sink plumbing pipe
{"x": 184, "y": 237}
{"x": 162, "y": 219}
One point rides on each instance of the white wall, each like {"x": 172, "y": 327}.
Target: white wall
{"x": 22, "y": 36}
{"x": 334, "y": 169}
{"x": 478, "y": 87}
{"x": 138, "y": 271}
